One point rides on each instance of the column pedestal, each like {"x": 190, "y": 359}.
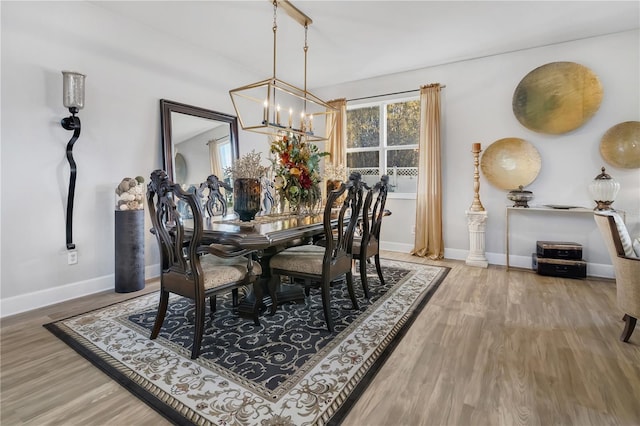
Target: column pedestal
{"x": 477, "y": 222}
{"x": 129, "y": 250}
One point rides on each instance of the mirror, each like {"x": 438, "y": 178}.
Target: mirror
{"x": 197, "y": 142}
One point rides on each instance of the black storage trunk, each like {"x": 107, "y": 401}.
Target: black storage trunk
{"x": 568, "y": 268}
{"x": 559, "y": 250}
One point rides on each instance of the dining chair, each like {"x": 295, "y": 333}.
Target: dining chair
{"x": 317, "y": 266}
{"x": 190, "y": 267}
{"x": 626, "y": 267}
{"x": 215, "y": 202}
{"x": 368, "y": 244}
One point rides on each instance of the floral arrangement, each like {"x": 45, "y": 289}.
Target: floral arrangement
{"x": 130, "y": 194}
{"x": 247, "y": 166}
{"x": 296, "y": 165}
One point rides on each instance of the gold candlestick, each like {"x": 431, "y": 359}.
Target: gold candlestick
{"x": 476, "y": 206}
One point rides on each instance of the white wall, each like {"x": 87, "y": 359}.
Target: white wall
{"x": 130, "y": 68}
{"x": 476, "y": 107}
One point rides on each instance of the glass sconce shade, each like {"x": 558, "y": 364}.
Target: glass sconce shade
{"x": 604, "y": 190}
{"x": 73, "y": 89}
{"x": 272, "y": 106}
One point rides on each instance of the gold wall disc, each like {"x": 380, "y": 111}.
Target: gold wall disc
{"x": 510, "y": 162}
{"x": 620, "y": 145}
{"x": 557, "y": 97}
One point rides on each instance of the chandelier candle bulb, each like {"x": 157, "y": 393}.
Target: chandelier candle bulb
{"x": 290, "y": 116}
{"x": 265, "y": 116}
{"x": 302, "y": 127}
{"x": 278, "y": 115}
{"x": 310, "y": 123}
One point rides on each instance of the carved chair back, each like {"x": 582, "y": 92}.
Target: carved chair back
{"x": 215, "y": 203}
{"x": 179, "y": 249}
{"x": 371, "y": 224}
{"x": 338, "y": 248}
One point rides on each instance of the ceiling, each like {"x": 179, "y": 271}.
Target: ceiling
{"x": 354, "y": 40}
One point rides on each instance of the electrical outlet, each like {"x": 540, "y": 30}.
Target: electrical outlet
{"x": 72, "y": 257}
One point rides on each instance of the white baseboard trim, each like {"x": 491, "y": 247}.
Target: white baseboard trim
{"x": 38, "y": 299}
{"x": 597, "y": 270}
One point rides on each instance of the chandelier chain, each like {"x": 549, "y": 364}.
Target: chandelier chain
{"x": 275, "y": 30}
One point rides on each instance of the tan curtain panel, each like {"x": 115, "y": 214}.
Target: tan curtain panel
{"x": 214, "y": 158}
{"x": 337, "y": 143}
{"x": 428, "y": 240}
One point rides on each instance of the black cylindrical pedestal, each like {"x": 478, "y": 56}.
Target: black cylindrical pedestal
{"x": 129, "y": 250}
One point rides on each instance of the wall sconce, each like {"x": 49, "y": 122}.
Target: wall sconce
{"x": 72, "y": 98}
{"x": 603, "y": 190}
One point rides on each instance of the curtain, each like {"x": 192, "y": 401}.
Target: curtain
{"x": 428, "y": 238}
{"x": 214, "y": 158}
{"x": 337, "y": 143}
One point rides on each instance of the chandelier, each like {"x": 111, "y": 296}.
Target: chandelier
{"x": 273, "y": 106}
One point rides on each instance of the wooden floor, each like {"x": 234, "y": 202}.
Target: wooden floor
{"x": 491, "y": 348}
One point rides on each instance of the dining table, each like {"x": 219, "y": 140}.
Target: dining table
{"x": 267, "y": 234}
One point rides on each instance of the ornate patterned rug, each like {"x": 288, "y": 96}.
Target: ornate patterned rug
{"x": 290, "y": 370}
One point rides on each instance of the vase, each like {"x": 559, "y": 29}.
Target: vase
{"x": 246, "y": 198}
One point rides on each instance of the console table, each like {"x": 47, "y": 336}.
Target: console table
{"x": 542, "y": 210}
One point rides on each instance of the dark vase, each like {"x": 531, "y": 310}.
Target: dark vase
{"x": 246, "y": 198}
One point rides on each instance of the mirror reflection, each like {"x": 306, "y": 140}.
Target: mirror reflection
{"x": 197, "y": 142}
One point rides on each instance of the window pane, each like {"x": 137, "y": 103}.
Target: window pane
{"x": 363, "y": 127}
{"x": 403, "y": 123}
{"x": 402, "y": 158}
{"x": 402, "y": 168}
{"x": 367, "y": 163}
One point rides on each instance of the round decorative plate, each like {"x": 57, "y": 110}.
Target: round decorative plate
{"x": 557, "y": 97}
{"x": 510, "y": 162}
{"x": 620, "y": 145}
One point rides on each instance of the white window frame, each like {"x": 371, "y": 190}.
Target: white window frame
{"x": 383, "y": 148}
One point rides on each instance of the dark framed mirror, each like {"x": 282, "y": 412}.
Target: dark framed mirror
{"x": 196, "y": 142}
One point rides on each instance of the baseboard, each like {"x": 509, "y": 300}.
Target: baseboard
{"x": 38, "y": 299}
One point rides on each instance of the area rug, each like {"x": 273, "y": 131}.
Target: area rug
{"x": 289, "y": 370}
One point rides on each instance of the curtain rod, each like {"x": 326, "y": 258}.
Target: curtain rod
{"x": 389, "y": 94}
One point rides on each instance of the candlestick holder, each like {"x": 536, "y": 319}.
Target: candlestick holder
{"x": 476, "y": 205}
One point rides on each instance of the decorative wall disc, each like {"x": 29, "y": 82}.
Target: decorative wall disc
{"x": 557, "y": 97}
{"x": 510, "y": 162}
{"x": 620, "y": 145}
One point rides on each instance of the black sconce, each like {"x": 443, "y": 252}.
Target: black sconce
{"x": 72, "y": 98}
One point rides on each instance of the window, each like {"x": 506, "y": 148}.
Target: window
{"x": 382, "y": 138}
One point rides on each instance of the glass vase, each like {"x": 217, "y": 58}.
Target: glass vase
{"x": 246, "y": 198}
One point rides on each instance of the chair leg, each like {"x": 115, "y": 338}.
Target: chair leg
{"x": 212, "y": 304}
{"x": 326, "y": 303}
{"x": 199, "y": 329}
{"x": 234, "y": 296}
{"x": 630, "y": 324}
{"x": 363, "y": 276}
{"x": 273, "y": 292}
{"x": 379, "y": 268}
{"x": 259, "y": 295}
{"x": 162, "y": 311}
{"x": 352, "y": 293}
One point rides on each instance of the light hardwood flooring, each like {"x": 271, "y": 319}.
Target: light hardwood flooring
{"x": 492, "y": 347}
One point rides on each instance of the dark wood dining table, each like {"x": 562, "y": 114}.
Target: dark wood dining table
{"x": 268, "y": 234}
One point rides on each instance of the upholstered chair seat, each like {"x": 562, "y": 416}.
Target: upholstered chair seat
{"x": 219, "y": 271}
{"x": 305, "y": 259}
